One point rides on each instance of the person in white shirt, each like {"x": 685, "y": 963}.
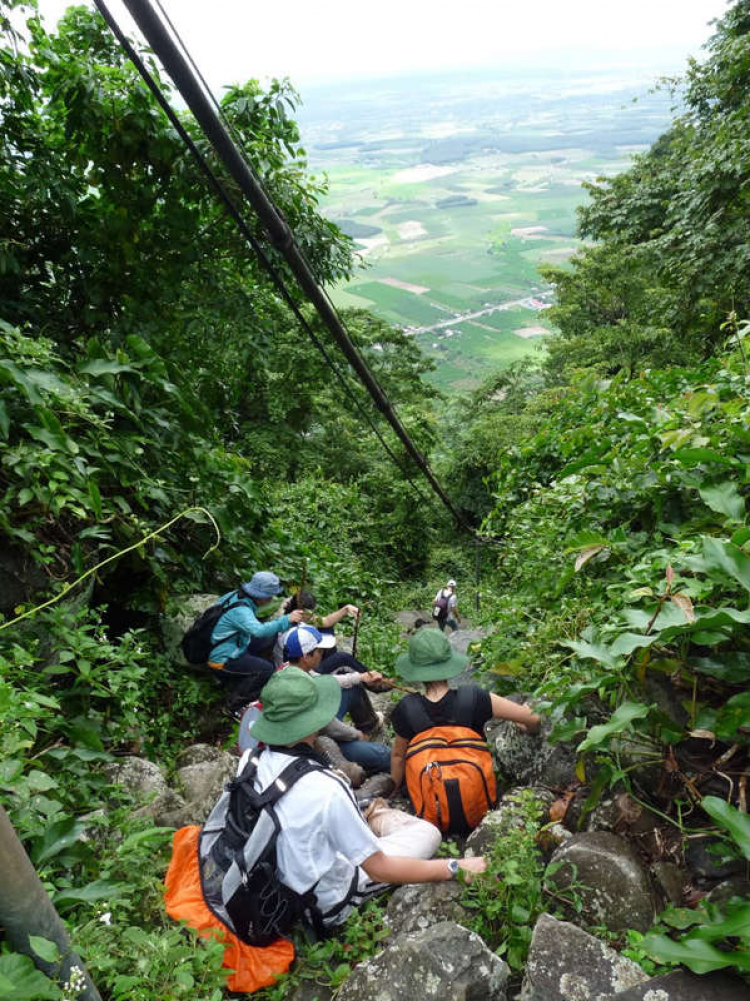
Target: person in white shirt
{"x": 446, "y": 603}
{"x": 325, "y": 843}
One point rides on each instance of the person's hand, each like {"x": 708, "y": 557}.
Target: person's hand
{"x": 362, "y": 736}
{"x": 472, "y": 866}
{"x": 298, "y": 615}
{"x": 371, "y": 677}
{"x": 531, "y": 725}
{"x": 352, "y": 610}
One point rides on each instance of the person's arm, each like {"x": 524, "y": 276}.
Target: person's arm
{"x": 398, "y": 760}
{"x": 505, "y": 709}
{"x": 392, "y": 869}
{"x": 330, "y": 620}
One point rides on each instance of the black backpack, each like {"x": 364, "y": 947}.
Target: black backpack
{"x": 196, "y": 643}
{"x": 237, "y": 857}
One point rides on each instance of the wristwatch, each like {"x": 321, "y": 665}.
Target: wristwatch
{"x": 453, "y": 867}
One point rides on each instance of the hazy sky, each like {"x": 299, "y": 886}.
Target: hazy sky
{"x": 317, "y": 40}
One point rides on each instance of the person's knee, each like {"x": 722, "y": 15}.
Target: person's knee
{"x": 429, "y": 837}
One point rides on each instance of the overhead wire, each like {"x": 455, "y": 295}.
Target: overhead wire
{"x": 247, "y": 232}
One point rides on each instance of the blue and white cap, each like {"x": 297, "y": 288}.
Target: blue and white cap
{"x": 263, "y": 584}
{"x": 305, "y": 639}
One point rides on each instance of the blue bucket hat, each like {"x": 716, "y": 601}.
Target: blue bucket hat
{"x": 263, "y": 584}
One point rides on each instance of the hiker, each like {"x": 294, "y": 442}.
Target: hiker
{"x": 332, "y": 658}
{"x": 231, "y": 657}
{"x": 304, "y": 647}
{"x": 446, "y": 726}
{"x": 328, "y": 857}
{"x": 445, "y": 607}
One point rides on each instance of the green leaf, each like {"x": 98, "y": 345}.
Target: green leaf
{"x": 732, "y": 666}
{"x": 731, "y": 559}
{"x": 624, "y": 645}
{"x": 736, "y": 823}
{"x": 98, "y": 889}
{"x": 47, "y": 950}
{"x": 21, "y": 981}
{"x": 56, "y": 838}
{"x": 103, "y": 366}
{"x": 695, "y": 456}
{"x": 724, "y": 498}
{"x": 697, "y": 955}
{"x": 621, "y": 719}
{"x": 592, "y": 651}
{"x": 4, "y": 420}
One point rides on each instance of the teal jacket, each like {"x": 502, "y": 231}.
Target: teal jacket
{"x": 236, "y": 629}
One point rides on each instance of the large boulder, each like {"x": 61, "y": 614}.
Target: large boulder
{"x": 178, "y": 618}
{"x": 417, "y": 906}
{"x": 445, "y": 963}
{"x": 607, "y": 876}
{"x": 528, "y": 759}
{"x": 201, "y": 784}
{"x": 140, "y": 777}
{"x": 683, "y": 986}
{"x": 509, "y": 813}
{"x": 565, "y": 963}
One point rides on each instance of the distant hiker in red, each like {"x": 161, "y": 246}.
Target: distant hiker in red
{"x": 440, "y": 747}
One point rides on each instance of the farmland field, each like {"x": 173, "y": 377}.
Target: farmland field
{"x": 456, "y": 189}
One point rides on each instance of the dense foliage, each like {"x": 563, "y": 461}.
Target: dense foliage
{"x": 672, "y": 257}
{"x": 148, "y": 369}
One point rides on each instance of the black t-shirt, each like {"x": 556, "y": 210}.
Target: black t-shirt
{"x": 444, "y": 712}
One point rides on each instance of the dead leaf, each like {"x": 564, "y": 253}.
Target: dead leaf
{"x": 584, "y": 556}
{"x": 669, "y": 574}
{"x": 702, "y": 735}
{"x": 684, "y": 604}
{"x": 560, "y": 807}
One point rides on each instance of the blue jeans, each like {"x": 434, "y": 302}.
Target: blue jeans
{"x": 372, "y": 757}
{"x": 246, "y": 675}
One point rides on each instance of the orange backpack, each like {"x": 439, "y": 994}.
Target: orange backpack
{"x": 449, "y": 774}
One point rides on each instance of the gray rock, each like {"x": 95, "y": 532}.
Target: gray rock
{"x": 417, "y": 906}
{"x": 527, "y": 759}
{"x": 444, "y": 963}
{"x": 567, "y": 964}
{"x": 206, "y": 779}
{"x": 166, "y": 810}
{"x": 670, "y": 879}
{"x": 684, "y": 986}
{"x": 408, "y": 620}
{"x": 620, "y": 813}
{"x": 310, "y": 990}
{"x": 196, "y": 754}
{"x": 179, "y": 617}
{"x": 609, "y": 879}
{"x": 141, "y": 778}
{"x": 735, "y": 886}
{"x": 508, "y": 814}
{"x": 709, "y": 860}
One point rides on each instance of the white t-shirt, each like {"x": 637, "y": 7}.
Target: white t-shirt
{"x": 323, "y": 837}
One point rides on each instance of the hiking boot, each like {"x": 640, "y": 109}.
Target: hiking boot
{"x": 374, "y": 731}
{"x": 353, "y": 772}
{"x": 376, "y": 785}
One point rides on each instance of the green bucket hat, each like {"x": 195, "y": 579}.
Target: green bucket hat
{"x": 295, "y": 705}
{"x": 430, "y": 658}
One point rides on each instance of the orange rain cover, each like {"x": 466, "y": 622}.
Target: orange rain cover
{"x": 253, "y": 966}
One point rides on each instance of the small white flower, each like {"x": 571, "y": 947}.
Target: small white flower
{"x": 106, "y": 918}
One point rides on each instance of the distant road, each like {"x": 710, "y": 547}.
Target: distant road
{"x": 530, "y": 302}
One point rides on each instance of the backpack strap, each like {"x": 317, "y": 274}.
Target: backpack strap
{"x": 224, "y": 610}
{"x": 466, "y": 700}
{"x": 417, "y": 717}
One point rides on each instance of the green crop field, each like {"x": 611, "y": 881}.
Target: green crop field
{"x": 459, "y": 215}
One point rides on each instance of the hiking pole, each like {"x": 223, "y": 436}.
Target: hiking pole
{"x": 355, "y": 637}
